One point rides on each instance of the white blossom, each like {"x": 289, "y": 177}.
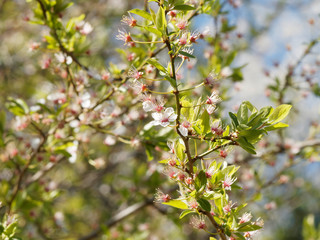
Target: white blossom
{"x": 63, "y": 58}
{"x": 164, "y": 118}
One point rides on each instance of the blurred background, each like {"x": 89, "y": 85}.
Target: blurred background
{"x": 270, "y": 36}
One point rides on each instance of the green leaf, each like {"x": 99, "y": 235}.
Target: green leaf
{"x": 2, "y": 121}
{"x": 161, "y": 21}
{"x": 186, "y": 54}
{"x": 252, "y": 108}
{"x": 177, "y": 204}
{"x": 240, "y": 236}
{"x": 18, "y": 107}
{"x": 279, "y": 113}
{"x": 153, "y": 15}
{"x": 149, "y": 151}
{"x": 276, "y": 126}
{"x": 243, "y": 142}
{"x": 185, "y": 213}
{"x": 242, "y": 113}
{"x": 234, "y": 119}
{"x": 205, "y": 117}
{"x": 172, "y": 82}
{"x": 204, "y": 204}
{"x": 249, "y": 228}
{"x": 153, "y": 30}
{"x": 200, "y": 181}
{"x": 183, "y": 7}
{"x": 155, "y": 63}
{"x": 179, "y": 150}
{"x": 141, "y": 13}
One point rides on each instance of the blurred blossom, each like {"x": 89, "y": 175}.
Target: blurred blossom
{"x": 98, "y": 163}
{"x": 63, "y": 58}
{"x": 109, "y": 140}
{"x": 84, "y": 27}
{"x": 73, "y": 151}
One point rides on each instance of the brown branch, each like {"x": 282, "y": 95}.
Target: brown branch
{"x": 216, "y": 225}
{"x": 118, "y": 218}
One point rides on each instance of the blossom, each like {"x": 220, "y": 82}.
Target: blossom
{"x": 98, "y": 163}
{"x": 164, "y": 118}
{"x": 188, "y": 180}
{"x": 212, "y": 101}
{"x": 210, "y": 171}
{"x": 194, "y": 36}
{"x": 161, "y": 197}
{"x": 183, "y": 128}
{"x": 151, "y": 104}
{"x": 84, "y": 100}
{"x": 73, "y": 151}
{"x": 124, "y": 36}
{"x": 183, "y": 40}
{"x": 172, "y": 162}
{"x": 57, "y": 97}
{"x": 216, "y": 128}
{"x": 211, "y": 79}
{"x": 131, "y": 57}
{"x": 226, "y": 72}
{"x": 135, "y": 74}
{"x": 45, "y": 63}
{"x": 147, "y": 103}
{"x": 22, "y": 122}
{"x": 172, "y": 13}
{"x": 34, "y": 46}
{"x": 170, "y": 172}
{"x": 84, "y": 27}
{"x": 139, "y": 87}
{"x": 246, "y": 217}
{"x": 228, "y": 181}
{"x": 149, "y": 69}
{"x": 63, "y": 58}
{"x": 206, "y": 32}
{"x": 198, "y": 222}
{"x": 227, "y": 208}
{"x": 223, "y": 153}
{"x": 130, "y": 21}
{"x": 109, "y": 140}
{"x": 193, "y": 204}
{"x": 182, "y": 24}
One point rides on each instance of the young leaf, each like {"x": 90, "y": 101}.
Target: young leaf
{"x": 242, "y": 113}
{"x": 153, "y": 30}
{"x": 279, "y": 113}
{"x": 205, "y": 117}
{"x": 249, "y": 228}
{"x": 177, "y": 204}
{"x": 142, "y": 13}
{"x": 183, "y": 7}
{"x": 204, "y": 204}
{"x": 234, "y": 119}
{"x": 185, "y": 213}
{"x": 276, "y": 126}
{"x": 161, "y": 22}
{"x": 243, "y": 142}
{"x": 186, "y": 54}
{"x": 155, "y": 63}
{"x": 201, "y": 180}
{"x": 179, "y": 149}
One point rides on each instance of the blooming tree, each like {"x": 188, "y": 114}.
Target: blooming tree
{"x": 173, "y": 125}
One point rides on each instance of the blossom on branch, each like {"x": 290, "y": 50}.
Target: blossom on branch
{"x": 164, "y": 118}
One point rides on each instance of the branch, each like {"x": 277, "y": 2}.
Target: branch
{"x": 118, "y": 218}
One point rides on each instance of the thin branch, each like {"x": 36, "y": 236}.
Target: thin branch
{"x": 118, "y": 218}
